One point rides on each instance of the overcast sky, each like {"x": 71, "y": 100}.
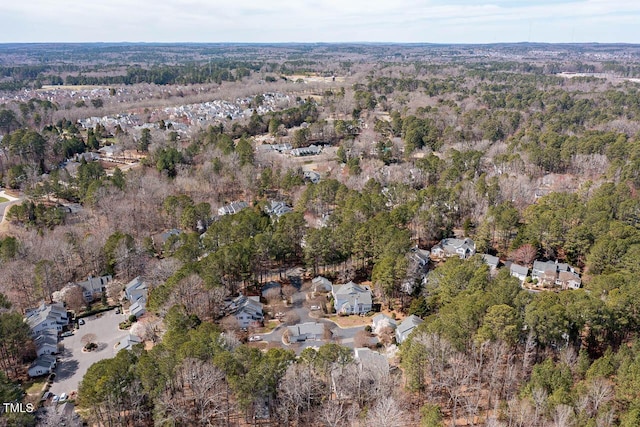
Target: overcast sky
{"x": 432, "y": 21}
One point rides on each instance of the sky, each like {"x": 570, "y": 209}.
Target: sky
{"x": 272, "y": 21}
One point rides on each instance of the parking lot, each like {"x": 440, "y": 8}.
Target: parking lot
{"x": 73, "y": 363}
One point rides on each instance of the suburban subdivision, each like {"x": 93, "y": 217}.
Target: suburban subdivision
{"x": 350, "y": 234}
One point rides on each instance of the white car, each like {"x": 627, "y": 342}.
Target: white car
{"x": 255, "y": 338}
{"x": 315, "y": 307}
{"x": 55, "y": 398}
{"x": 63, "y": 397}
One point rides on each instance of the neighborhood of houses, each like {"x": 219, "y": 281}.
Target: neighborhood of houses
{"x": 50, "y": 321}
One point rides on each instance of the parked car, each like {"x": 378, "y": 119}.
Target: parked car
{"x": 118, "y": 310}
{"x": 66, "y": 334}
{"x": 315, "y": 307}
{"x": 63, "y": 397}
{"x": 81, "y": 322}
{"x": 255, "y": 338}
{"x": 55, "y": 398}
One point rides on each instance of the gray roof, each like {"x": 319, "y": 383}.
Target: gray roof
{"x": 127, "y": 342}
{"x": 352, "y": 293}
{"x": 45, "y": 339}
{"x": 306, "y": 151}
{"x": 408, "y": 324}
{"x": 55, "y": 312}
{"x": 277, "y": 208}
{"x": 95, "y": 284}
{"x": 321, "y": 282}
{"x": 380, "y": 317}
{"x": 232, "y": 208}
{"x": 136, "y": 283}
{"x": 371, "y": 359}
{"x": 491, "y": 260}
{"x": 245, "y": 304}
{"x": 542, "y": 266}
{"x": 42, "y": 362}
{"x": 453, "y": 246}
{"x": 308, "y": 328}
{"x": 138, "y": 308}
{"x": 520, "y": 270}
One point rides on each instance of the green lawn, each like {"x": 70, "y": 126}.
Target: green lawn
{"x": 2, "y": 200}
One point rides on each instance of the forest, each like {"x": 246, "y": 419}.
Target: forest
{"x": 435, "y": 142}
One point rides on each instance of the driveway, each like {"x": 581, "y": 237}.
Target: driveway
{"x": 73, "y": 363}
{"x": 342, "y": 336}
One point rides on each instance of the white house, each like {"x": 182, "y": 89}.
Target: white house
{"x": 128, "y": 342}
{"x": 232, "y": 208}
{"x": 519, "y": 271}
{"x": 277, "y": 209}
{"x": 491, "y": 261}
{"x": 548, "y": 272}
{"x": 306, "y": 331}
{"x": 407, "y": 326}
{"x": 247, "y": 310}
{"x": 381, "y": 321}
{"x": 46, "y": 343}
{"x": 463, "y": 248}
{"x": 569, "y": 280}
{"x": 136, "y": 289}
{"x": 352, "y": 298}
{"x": 138, "y": 308}
{"x": 94, "y": 287}
{"x": 43, "y": 365}
{"x": 47, "y": 316}
{"x": 321, "y": 284}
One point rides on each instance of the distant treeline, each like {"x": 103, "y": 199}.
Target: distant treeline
{"x": 20, "y": 77}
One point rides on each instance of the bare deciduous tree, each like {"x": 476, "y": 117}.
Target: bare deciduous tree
{"x": 386, "y": 413}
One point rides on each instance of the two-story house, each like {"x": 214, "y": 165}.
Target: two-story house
{"x": 463, "y": 248}
{"x": 352, "y": 298}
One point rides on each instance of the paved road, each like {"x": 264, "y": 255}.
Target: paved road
{"x": 73, "y": 363}
{"x": 5, "y": 205}
{"x": 342, "y": 336}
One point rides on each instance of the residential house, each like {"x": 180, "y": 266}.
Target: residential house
{"x": 128, "y": 342}
{"x": 46, "y": 343}
{"x": 43, "y": 365}
{"x": 547, "y": 272}
{"x": 371, "y": 360}
{"x": 138, "y": 308}
{"x": 277, "y": 209}
{"x": 463, "y": 248}
{"x": 519, "y": 271}
{"x": 491, "y": 261}
{"x": 247, "y": 310}
{"x": 94, "y": 287}
{"x": 352, "y": 298}
{"x": 47, "y": 316}
{"x": 407, "y": 326}
{"x": 569, "y": 280}
{"x": 232, "y": 208}
{"x": 381, "y": 321}
{"x": 321, "y": 284}
{"x": 312, "y": 176}
{"x": 136, "y": 289}
{"x": 109, "y": 151}
{"x": 311, "y": 150}
{"x": 306, "y": 331}
{"x": 420, "y": 256}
